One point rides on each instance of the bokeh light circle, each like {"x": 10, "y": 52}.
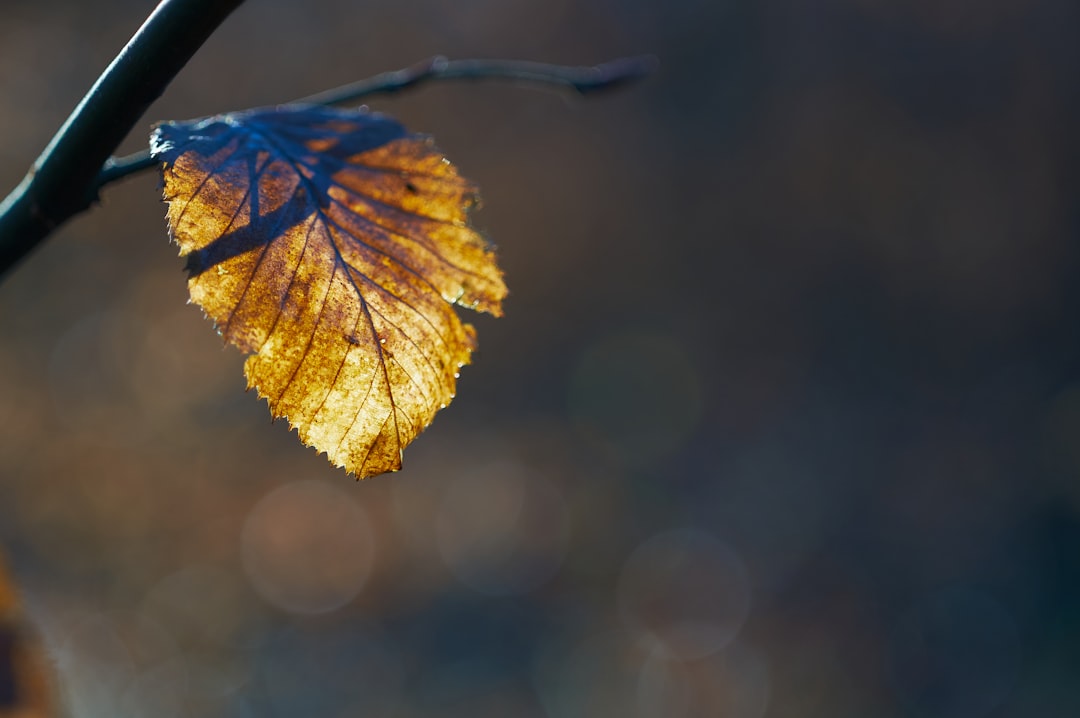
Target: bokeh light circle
{"x": 502, "y": 529}
{"x": 685, "y": 592}
{"x": 661, "y": 688}
{"x": 732, "y": 683}
{"x": 307, "y": 547}
{"x": 95, "y": 664}
{"x": 332, "y": 670}
{"x": 119, "y": 664}
{"x": 584, "y": 677}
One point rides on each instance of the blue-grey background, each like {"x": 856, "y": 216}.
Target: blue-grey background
{"x": 783, "y": 418}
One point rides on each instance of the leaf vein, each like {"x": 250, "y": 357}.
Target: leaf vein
{"x": 288, "y": 288}
{"x": 311, "y": 337}
{"x": 420, "y": 239}
{"x": 205, "y": 180}
{"x": 271, "y": 237}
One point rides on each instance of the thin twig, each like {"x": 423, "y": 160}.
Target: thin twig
{"x": 119, "y": 167}
{"x": 579, "y": 79}
{"x": 65, "y": 179}
{"x": 71, "y": 171}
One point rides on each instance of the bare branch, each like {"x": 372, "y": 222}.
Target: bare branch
{"x": 65, "y": 179}
{"x": 579, "y": 79}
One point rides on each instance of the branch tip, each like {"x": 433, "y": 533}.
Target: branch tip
{"x": 622, "y": 71}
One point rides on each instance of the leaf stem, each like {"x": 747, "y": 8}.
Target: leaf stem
{"x": 65, "y": 179}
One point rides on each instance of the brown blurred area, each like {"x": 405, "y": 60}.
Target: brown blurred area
{"x": 25, "y": 685}
{"x": 782, "y": 420}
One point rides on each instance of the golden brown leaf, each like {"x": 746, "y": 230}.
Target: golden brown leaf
{"x": 330, "y": 244}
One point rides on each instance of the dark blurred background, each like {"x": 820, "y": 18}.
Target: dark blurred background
{"x": 783, "y": 418}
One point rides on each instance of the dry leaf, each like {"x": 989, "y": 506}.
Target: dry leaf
{"x": 330, "y": 244}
